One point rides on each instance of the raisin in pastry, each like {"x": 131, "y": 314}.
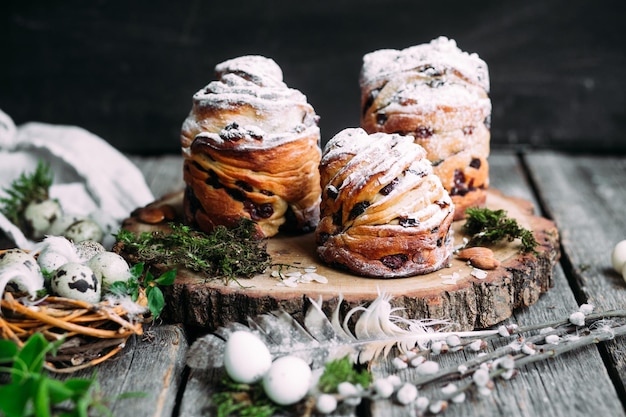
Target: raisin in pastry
{"x": 439, "y": 95}
{"x": 251, "y": 149}
{"x": 383, "y": 213}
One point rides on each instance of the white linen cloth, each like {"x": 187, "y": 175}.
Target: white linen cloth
{"x": 91, "y": 178}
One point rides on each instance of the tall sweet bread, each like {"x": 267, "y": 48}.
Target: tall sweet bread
{"x": 251, "y": 149}
{"x": 439, "y": 95}
{"x": 383, "y": 213}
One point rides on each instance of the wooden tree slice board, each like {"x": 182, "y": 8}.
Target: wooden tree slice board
{"x": 451, "y": 293}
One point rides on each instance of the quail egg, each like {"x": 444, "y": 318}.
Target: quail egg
{"x": 77, "y": 281}
{"x": 109, "y": 267}
{"x": 32, "y": 279}
{"x": 84, "y": 229}
{"x": 39, "y": 216}
{"x": 246, "y": 358}
{"x": 49, "y": 260}
{"x": 87, "y": 249}
{"x": 288, "y": 380}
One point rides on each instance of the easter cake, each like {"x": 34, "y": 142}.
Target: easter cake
{"x": 383, "y": 212}
{"x": 437, "y": 94}
{"x": 251, "y": 148}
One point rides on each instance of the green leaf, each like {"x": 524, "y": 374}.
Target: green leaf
{"x": 58, "y": 391}
{"x": 167, "y": 278}
{"x": 14, "y": 399}
{"x": 79, "y": 386}
{"x": 156, "y": 300}
{"x": 137, "y": 270}
{"x": 31, "y": 356}
{"x": 42, "y": 399}
{"x": 8, "y": 351}
{"x": 342, "y": 370}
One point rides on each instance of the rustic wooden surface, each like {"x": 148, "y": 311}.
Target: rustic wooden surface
{"x": 585, "y": 196}
{"x": 468, "y": 302}
{"x": 127, "y": 70}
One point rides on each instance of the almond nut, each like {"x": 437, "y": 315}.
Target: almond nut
{"x": 480, "y": 257}
{"x": 484, "y": 262}
{"x": 474, "y": 252}
{"x": 151, "y": 215}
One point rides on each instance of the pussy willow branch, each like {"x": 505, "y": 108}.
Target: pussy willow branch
{"x": 544, "y": 351}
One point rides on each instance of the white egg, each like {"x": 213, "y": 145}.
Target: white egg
{"x": 246, "y": 358}
{"x": 77, "y": 281}
{"x": 618, "y": 257}
{"x": 84, "y": 229}
{"x": 40, "y": 215}
{"x": 87, "y": 249}
{"x": 50, "y": 260}
{"x": 31, "y": 280}
{"x": 288, "y": 380}
{"x": 109, "y": 267}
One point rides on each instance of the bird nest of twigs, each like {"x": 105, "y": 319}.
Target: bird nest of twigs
{"x": 91, "y": 333}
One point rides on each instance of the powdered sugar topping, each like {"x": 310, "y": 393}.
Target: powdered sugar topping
{"x": 438, "y": 56}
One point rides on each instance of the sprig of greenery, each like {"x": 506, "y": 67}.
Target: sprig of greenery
{"x": 26, "y": 189}
{"x": 224, "y": 253}
{"x": 138, "y": 280}
{"x": 342, "y": 370}
{"x": 244, "y": 400}
{"x": 31, "y": 392}
{"x": 486, "y": 227}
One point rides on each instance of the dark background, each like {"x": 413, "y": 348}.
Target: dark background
{"x": 126, "y": 70}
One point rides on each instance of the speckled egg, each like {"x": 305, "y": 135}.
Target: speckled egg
{"x": 246, "y": 358}
{"x": 288, "y": 380}
{"x": 40, "y": 215}
{"x": 21, "y": 257}
{"x": 87, "y": 249}
{"x": 84, "y": 229}
{"x": 49, "y": 260}
{"x": 77, "y": 281}
{"x": 109, "y": 267}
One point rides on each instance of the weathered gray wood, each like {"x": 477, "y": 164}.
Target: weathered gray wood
{"x": 586, "y": 196}
{"x": 559, "y": 387}
{"x": 152, "y": 365}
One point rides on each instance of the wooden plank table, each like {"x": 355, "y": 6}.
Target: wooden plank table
{"x": 585, "y": 195}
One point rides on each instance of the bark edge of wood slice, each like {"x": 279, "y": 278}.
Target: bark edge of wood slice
{"x": 451, "y": 293}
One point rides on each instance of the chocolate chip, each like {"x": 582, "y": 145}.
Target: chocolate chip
{"x": 394, "y": 261}
{"x": 423, "y": 132}
{"x": 389, "y": 187}
{"x": 332, "y": 192}
{"x": 435, "y": 83}
{"x": 244, "y": 186}
{"x": 407, "y": 222}
{"x": 370, "y": 99}
{"x": 213, "y": 180}
{"x": 358, "y": 209}
{"x": 260, "y": 211}
{"x": 468, "y": 130}
{"x": 338, "y": 218}
{"x": 475, "y": 163}
{"x": 381, "y": 118}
